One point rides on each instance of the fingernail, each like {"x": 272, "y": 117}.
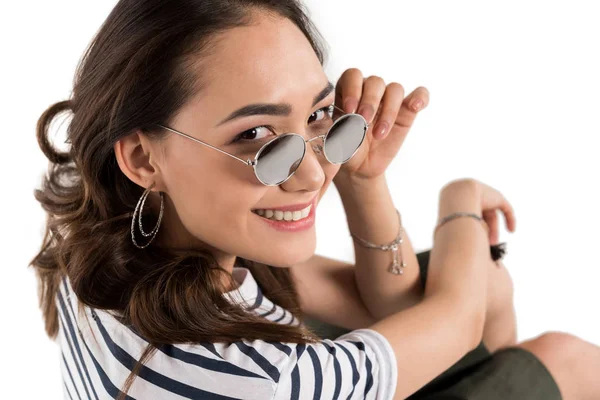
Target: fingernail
{"x": 381, "y": 129}
{"x": 417, "y": 104}
{"x": 367, "y": 112}
{"x": 350, "y": 105}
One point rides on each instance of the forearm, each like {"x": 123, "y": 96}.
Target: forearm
{"x": 371, "y": 215}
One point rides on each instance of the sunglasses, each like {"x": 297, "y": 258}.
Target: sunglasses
{"x": 277, "y": 160}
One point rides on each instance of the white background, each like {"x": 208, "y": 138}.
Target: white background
{"x": 514, "y": 103}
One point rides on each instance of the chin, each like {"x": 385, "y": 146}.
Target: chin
{"x": 286, "y": 259}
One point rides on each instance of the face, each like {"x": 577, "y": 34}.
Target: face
{"x": 211, "y": 197}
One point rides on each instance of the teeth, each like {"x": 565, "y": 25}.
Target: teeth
{"x": 279, "y": 215}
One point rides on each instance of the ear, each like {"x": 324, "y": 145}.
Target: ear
{"x": 138, "y": 158}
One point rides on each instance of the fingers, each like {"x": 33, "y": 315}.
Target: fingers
{"x": 364, "y": 95}
{"x": 500, "y": 202}
{"x": 391, "y": 103}
{"x": 373, "y": 90}
{"x": 491, "y": 219}
{"x": 508, "y": 211}
{"x": 493, "y": 199}
{"x": 509, "y": 216}
{"x": 348, "y": 89}
{"x": 416, "y": 101}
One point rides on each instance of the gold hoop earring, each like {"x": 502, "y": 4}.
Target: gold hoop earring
{"x": 138, "y": 210}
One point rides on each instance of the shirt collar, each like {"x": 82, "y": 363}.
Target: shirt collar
{"x": 247, "y": 291}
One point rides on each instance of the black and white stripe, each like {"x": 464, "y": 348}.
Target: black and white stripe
{"x": 98, "y": 353}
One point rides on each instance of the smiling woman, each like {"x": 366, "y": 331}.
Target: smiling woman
{"x": 202, "y": 75}
{"x": 205, "y": 304}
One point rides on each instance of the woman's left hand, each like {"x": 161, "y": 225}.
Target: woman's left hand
{"x": 384, "y": 107}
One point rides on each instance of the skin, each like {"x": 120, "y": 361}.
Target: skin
{"x": 209, "y": 196}
{"x": 573, "y": 362}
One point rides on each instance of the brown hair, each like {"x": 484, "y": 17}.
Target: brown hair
{"x": 140, "y": 68}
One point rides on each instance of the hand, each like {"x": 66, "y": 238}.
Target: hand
{"x": 490, "y": 200}
{"x": 381, "y": 105}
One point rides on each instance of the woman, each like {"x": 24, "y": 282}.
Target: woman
{"x": 169, "y": 102}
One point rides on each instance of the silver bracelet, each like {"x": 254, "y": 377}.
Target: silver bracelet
{"x": 395, "y": 246}
{"x": 459, "y": 215}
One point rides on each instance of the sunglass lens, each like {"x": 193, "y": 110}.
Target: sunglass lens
{"x": 279, "y": 159}
{"x": 344, "y": 138}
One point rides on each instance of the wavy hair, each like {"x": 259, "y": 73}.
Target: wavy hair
{"x": 139, "y": 69}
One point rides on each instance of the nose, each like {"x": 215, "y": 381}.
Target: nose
{"x": 309, "y": 175}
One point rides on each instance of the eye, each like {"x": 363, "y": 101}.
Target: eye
{"x": 253, "y": 134}
{"x": 324, "y": 113}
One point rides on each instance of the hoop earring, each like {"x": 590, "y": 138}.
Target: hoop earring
{"x": 138, "y": 210}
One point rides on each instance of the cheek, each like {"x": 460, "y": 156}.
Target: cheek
{"x": 331, "y": 171}
{"x": 205, "y": 185}
{"x": 217, "y": 213}
{"x": 193, "y": 169}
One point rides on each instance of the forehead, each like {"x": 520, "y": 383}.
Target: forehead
{"x": 268, "y": 61}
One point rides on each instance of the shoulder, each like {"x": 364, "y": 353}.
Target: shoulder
{"x": 106, "y": 351}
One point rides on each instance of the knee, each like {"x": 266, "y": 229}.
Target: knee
{"x": 500, "y": 289}
{"x": 557, "y": 348}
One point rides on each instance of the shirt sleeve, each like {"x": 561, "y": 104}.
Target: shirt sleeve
{"x": 360, "y": 364}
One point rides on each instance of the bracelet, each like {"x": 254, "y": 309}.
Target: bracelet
{"x": 395, "y": 246}
{"x": 458, "y": 215}
{"x": 497, "y": 251}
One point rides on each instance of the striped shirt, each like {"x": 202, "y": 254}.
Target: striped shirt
{"x": 98, "y": 353}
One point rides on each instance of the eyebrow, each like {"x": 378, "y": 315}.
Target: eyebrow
{"x": 280, "y": 109}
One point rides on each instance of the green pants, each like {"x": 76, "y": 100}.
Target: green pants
{"x": 508, "y": 374}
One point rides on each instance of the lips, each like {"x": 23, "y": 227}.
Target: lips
{"x": 294, "y": 207}
{"x": 292, "y": 226}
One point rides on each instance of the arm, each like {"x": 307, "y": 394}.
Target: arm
{"x": 371, "y": 215}
{"x": 327, "y": 292}
{"x": 434, "y": 334}
{"x": 449, "y": 321}
{"x": 333, "y": 291}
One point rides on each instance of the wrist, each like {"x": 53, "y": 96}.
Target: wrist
{"x": 354, "y": 185}
{"x": 463, "y": 197}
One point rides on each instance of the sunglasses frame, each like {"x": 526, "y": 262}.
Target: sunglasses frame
{"x": 253, "y": 163}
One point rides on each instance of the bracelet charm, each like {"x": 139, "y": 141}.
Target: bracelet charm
{"x": 396, "y": 267}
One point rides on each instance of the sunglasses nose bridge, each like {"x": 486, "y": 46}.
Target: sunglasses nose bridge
{"x": 301, "y": 163}
{"x": 318, "y": 148}
{"x": 315, "y": 138}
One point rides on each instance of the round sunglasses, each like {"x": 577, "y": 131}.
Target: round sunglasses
{"x": 277, "y": 160}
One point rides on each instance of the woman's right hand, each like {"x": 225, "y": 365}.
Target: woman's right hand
{"x": 490, "y": 201}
